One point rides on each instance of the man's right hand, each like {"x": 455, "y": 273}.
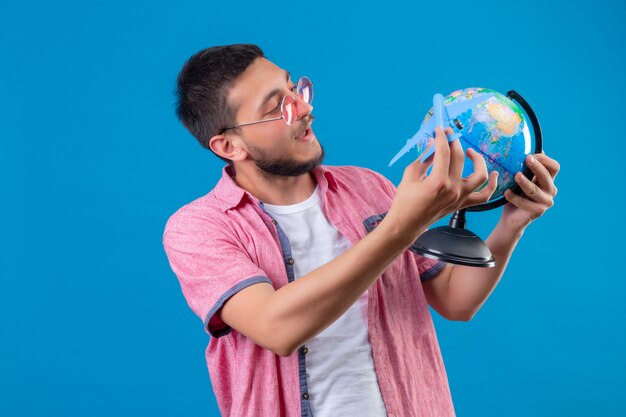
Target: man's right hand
{"x": 421, "y": 200}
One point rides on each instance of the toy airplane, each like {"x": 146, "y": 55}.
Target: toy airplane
{"x": 442, "y": 117}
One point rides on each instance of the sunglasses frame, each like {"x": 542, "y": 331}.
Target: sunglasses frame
{"x": 294, "y": 94}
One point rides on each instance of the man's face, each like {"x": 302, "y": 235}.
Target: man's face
{"x": 275, "y": 147}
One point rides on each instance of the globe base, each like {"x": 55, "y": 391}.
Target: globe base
{"x": 454, "y": 244}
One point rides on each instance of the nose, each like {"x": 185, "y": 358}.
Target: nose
{"x": 304, "y": 108}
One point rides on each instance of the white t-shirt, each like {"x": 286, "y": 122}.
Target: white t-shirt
{"x": 339, "y": 365}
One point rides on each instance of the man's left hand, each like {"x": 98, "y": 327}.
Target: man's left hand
{"x": 538, "y": 193}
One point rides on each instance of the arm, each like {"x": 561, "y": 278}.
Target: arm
{"x": 285, "y": 319}
{"x": 458, "y": 292}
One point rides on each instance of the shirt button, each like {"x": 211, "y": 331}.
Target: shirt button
{"x": 274, "y": 221}
{"x": 305, "y": 395}
{"x": 305, "y": 350}
{"x": 290, "y": 261}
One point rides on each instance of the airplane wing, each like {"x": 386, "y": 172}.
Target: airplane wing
{"x": 444, "y": 114}
{"x": 409, "y": 144}
{"x": 448, "y": 112}
{"x": 426, "y": 130}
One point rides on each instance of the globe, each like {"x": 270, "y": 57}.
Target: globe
{"x": 498, "y": 129}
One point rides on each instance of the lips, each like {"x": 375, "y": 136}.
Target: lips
{"x": 300, "y": 135}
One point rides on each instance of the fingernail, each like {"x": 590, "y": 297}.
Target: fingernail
{"x": 531, "y": 160}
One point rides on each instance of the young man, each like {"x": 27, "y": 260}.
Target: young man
{"x": 304, "y": 274}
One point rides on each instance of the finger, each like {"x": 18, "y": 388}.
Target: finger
{"x": 431, "y": 143}
{"x": 532, "y": 190}
{"x": 534, "y": 209}
{"x": 457, "y": 158}
{"x": 480, "y": 174}
{"x": 418, "y": 168}
{"x": 442, "y": 154}
{"x": 551, "y": 165}
{"x": 484, "y": 195}
{"x": 544, "y": 179}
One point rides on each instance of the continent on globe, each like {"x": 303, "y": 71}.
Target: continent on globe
{"x": 485, "y": 120}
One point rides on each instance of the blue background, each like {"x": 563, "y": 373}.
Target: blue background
{"x": 93, "y": 162}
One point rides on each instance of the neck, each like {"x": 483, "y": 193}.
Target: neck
{"x": 272, "y": 189}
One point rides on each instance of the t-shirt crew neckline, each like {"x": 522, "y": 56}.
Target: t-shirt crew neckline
{"x": 294, "y": 208}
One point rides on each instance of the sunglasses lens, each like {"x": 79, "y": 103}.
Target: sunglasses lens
{"x": 305, "y": 90}
{"x": 289, "y": 109}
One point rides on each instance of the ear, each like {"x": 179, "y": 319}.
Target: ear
{"x": 228, "y": 147}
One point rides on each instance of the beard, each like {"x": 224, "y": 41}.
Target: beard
{"x": 283, "y": 167}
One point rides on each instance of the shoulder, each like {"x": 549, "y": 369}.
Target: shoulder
{"x": 200, "y": 217}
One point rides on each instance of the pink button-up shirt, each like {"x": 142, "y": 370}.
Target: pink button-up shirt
{"x": 225, "y": 241}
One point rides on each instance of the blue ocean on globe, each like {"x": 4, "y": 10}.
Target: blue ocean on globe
{"x": 497, "y": 128}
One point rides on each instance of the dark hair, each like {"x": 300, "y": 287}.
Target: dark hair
{"x": 202, "y": 89}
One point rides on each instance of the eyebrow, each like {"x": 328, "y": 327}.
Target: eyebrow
{"x": 273, "y": 92}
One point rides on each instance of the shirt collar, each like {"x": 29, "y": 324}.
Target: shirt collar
{"x": 231, "y": 194}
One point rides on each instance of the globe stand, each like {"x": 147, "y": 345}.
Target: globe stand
{"x": 455, "y": 244}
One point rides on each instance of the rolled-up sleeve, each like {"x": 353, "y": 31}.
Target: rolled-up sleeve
{"x": 211, "y": 266}
{"x": 428, "y": 268}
